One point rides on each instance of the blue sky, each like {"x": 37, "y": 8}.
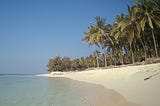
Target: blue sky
{"x": 33, "y": 31}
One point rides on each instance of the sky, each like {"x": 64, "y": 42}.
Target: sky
{"x": 34, "y": 31}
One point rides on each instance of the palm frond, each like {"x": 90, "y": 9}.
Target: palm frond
{"x": 143, "y": 22}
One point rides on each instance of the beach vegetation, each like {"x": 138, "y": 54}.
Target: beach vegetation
{"x": 133, "y": 37}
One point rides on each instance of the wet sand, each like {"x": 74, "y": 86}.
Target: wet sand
{"x": 96, "y": 95}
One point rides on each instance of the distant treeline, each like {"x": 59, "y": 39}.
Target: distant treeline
{"x": 59, "y": 63}
{"x": 66, "y": 64}
{"x": 133, "y": 37}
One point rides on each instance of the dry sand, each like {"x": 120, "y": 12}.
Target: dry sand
{"x": 138, "y": 84}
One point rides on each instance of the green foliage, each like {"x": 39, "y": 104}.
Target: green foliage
{"x": 133, "y": 37}
{"x": 66, "y": 64}
{"x": 55, "y": 64}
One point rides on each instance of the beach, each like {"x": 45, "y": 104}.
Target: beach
{"x": 139, "y": 84}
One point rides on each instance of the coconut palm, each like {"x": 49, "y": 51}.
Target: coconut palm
{"x": 129, "y": 27}
{"x": 93, "y": 37}
{"x": 55, "y": 64}
{"x": 105, "y": 35}
{"x": 149, "y": 14}
{"x": 106, "y": 39}
{"x": 95, "y": 34}
{"x": 120, "y": 31}
{"x": 66, "y": 63}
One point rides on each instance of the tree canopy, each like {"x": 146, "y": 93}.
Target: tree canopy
{"x": 133, "y": 37}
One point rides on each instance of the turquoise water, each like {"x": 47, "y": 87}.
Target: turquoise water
{"x": 27, "y": 90}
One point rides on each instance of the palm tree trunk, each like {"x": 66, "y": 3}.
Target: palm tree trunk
{"x": 105, "y": 60}
{"x": 111, "y": 59}
{"x": 96, "y": 56}
{"x": 97, "y": 60}
{"x": 133, "y": 61}
{"x": 94, "y": 62}
{"x": 114, "y": 56}
{"x": 97, "y": 63}
{"x": 155, "y": 46}
{"x": 132, "y": 54}
{"x": 145, "y": 54}
{"x": 122, "y": 61}
{"x": 121, "y": 55}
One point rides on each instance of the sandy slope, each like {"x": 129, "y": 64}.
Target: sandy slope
{"x": 139, "y": 84}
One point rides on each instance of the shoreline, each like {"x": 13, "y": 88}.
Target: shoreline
{"x": 138, "y": 84}
{"x": 95, "y": 95}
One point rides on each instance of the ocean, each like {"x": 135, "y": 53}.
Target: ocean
{"x": 29, "y": 90}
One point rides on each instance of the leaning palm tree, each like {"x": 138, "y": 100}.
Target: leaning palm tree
{"x": 149, "y": 14}
{"x": 124, "y": 28}
{"x": 130, "y": 26}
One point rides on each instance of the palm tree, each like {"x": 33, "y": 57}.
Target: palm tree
{"x": 105, "y": 35}
{"x": 66, "y": 63}
{"x": 129, "y": 27}
{"x": 148, "y": 14}
{"x": 95, "y": 34}
{"x": 92, "y": 36}
{"x": 89, "y": 61}
{"x": 122, "y": 29}
{"x": 55, "y": 64}
{"x": 96, "y": 54}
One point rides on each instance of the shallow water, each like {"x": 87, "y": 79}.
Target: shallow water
{"x": 20, "y": 90}
{"x": 27, "y": 90}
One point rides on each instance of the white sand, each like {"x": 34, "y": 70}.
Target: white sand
{"x": 128, "y": 81}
